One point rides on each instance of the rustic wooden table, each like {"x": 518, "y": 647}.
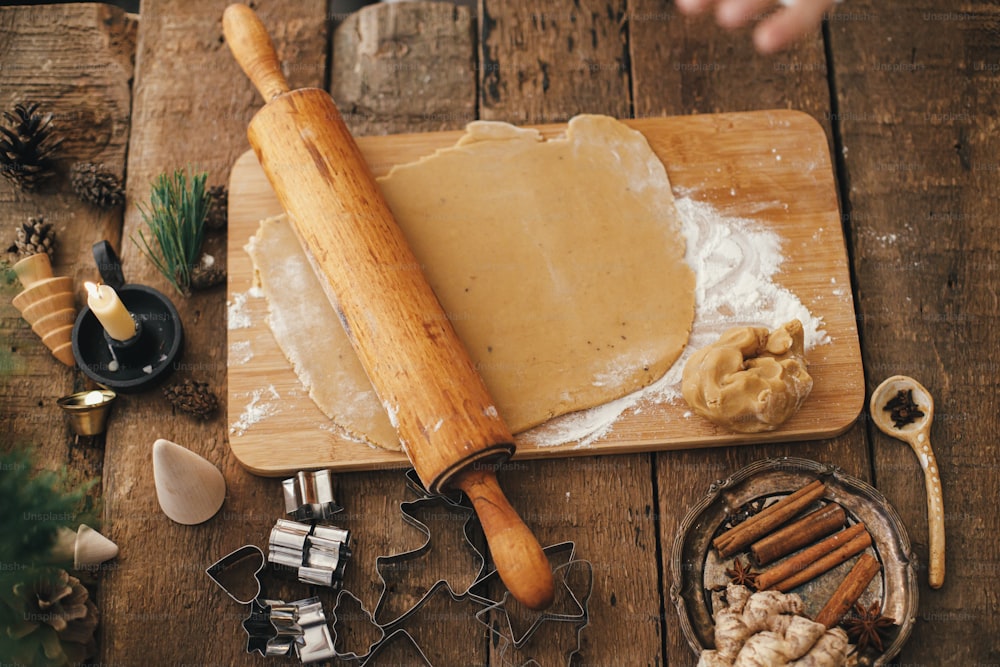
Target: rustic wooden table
{"x": 908, "y": 95}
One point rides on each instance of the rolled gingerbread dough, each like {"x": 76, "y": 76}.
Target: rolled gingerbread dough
{"x": 560, "y": 264}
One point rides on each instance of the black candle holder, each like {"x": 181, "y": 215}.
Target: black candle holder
{"x": 141, "y": 361}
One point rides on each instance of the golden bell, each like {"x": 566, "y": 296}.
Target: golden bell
{"x": 88, "y": 410}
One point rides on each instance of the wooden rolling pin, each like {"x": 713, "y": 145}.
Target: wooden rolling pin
{"x": 446, "y": 420}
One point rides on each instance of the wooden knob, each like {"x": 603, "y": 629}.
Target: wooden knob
{"x": 519, "y": 559}
{"x": 251, "y": 46}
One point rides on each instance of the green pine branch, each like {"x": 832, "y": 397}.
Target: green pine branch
{"x": 33, "y": 507}
{"x": 175, "y": 219}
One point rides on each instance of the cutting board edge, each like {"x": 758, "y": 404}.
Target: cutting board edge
{"x": 720, "y": 124}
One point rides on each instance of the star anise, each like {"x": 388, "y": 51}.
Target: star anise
{"x": 902, "y": 410}
{"x": 742, "y": 513}
{"x": 867, "y": 625}
{"x": 742, "y": 575}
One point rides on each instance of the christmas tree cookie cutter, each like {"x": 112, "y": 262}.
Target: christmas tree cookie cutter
{"x": 394, "y": 630}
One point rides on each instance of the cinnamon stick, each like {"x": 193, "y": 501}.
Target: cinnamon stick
{"x": 796, "y": 535}
{"x": 817, "y": 559}
{"x": 849, "y": 591}
{"x": 739, "y": 537}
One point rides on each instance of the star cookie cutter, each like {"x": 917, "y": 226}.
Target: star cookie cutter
{"x": 277, "y": 628}
{"x": 569, "y": 606}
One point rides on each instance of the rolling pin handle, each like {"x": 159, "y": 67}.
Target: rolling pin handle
{"x": 253, "y": 50}
{"x": 519, "y": 559}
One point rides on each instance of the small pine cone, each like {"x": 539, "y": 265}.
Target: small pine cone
{"x": 97, "y": 185}
{"x": 34, "y": 237}
{"x": 218, "y": 208}
{"x": 27, "y": 146}
{"x": 192, "y": 397}
{"x": 207, "y": 273}
{"x": 64, "y": 604}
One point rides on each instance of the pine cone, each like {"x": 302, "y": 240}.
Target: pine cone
{"x": 207, "y": 273}
{"x": 218, "y": 208}
{"x": 64, "y": 604}
{"x": 34, "y": 237}
{"x": 192, "y": 397}
{"x": 26, "y": 148}
{"x": 97, "y": 185}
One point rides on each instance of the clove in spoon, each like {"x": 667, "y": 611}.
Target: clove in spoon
{"x": 917, "y": 434}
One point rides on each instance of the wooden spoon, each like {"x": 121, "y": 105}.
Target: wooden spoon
{"x": 918, "y": 434}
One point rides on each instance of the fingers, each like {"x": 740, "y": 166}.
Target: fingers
{"x": 693, "y": 6}
{"x": 738, "y": 13}
{"x": 788, "y": 24}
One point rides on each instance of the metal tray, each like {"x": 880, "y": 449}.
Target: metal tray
{"x": 697, "y": 570}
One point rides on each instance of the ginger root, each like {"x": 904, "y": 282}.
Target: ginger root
{"x": 766, "y": 629}
{"x": 749, "y": 380}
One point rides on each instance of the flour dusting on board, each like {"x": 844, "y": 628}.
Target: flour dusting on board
{"x": 735, "y": 261}
{"x": 240, "y": 352}
{"x": 258, "y": 409}
{"x": 238, "y": 317}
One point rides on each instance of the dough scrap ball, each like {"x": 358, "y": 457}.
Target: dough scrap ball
{"x": 749, "y": 380}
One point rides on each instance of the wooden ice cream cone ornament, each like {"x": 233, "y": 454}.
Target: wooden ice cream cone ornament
{"x": 91, "y": 548}
{"x": 86, "y": 546}
{"x": 47, "y": 304}
{"x": 190, "y": 490}
{"x": 33, "y": 269}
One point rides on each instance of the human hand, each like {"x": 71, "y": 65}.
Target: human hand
{"x": 775, "y": 31}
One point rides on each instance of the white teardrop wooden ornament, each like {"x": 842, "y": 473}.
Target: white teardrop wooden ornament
{"x": 91, "y": 548}
{"x": 189, "y": 488}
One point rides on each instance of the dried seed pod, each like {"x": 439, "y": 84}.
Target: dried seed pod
{"x": 218, "y": 209}
{"x": 27, "y": 146}
{"x": 97, "y": 185}
{"x": 34, "y": 237}
{"x": 207, "y": 273}
{"x": 192, "y": 397}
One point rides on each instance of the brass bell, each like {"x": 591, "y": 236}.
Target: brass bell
{"x": 88, "y": 410}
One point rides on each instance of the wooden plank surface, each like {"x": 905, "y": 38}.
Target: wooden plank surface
{"x": 90, "y": 107}
{"x": 709, "y": 158}
{"x": 601, "y": 503}
{"x": 918, "y": 105}
{"x": 682, "y": 65}
{"x": 913, "y": 125}
{"x": 191, "y": 107}
{"x": 371, "y": 499}
{"x": 405, "y": 68}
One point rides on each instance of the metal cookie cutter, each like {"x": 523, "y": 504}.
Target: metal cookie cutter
{"x": 354, "y": 656}
{"x": 309, "y": 496}
{"x": 221, "y": 570}
{"x": 569, "y": 605}
{"x": 400, "y": 561}
{"x": 318, "y": 554}
{"x": 276, "y": 628}
{"x": 574, "y": 584}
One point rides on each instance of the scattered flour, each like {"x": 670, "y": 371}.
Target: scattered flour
{"x": 240, "y": 352}
{"x": 238, "y": 317}
{"x": 735, "y": 261}
{"x": 256, "y": 410}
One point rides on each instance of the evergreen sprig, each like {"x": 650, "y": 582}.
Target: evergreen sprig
{"x": 34, "y": 507}
{"x": 175, "y": 218}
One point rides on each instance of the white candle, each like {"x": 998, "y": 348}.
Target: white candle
{"x": 110, "y": 311}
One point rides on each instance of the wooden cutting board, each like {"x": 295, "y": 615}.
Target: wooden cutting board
{"x": 770, "y": 166}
